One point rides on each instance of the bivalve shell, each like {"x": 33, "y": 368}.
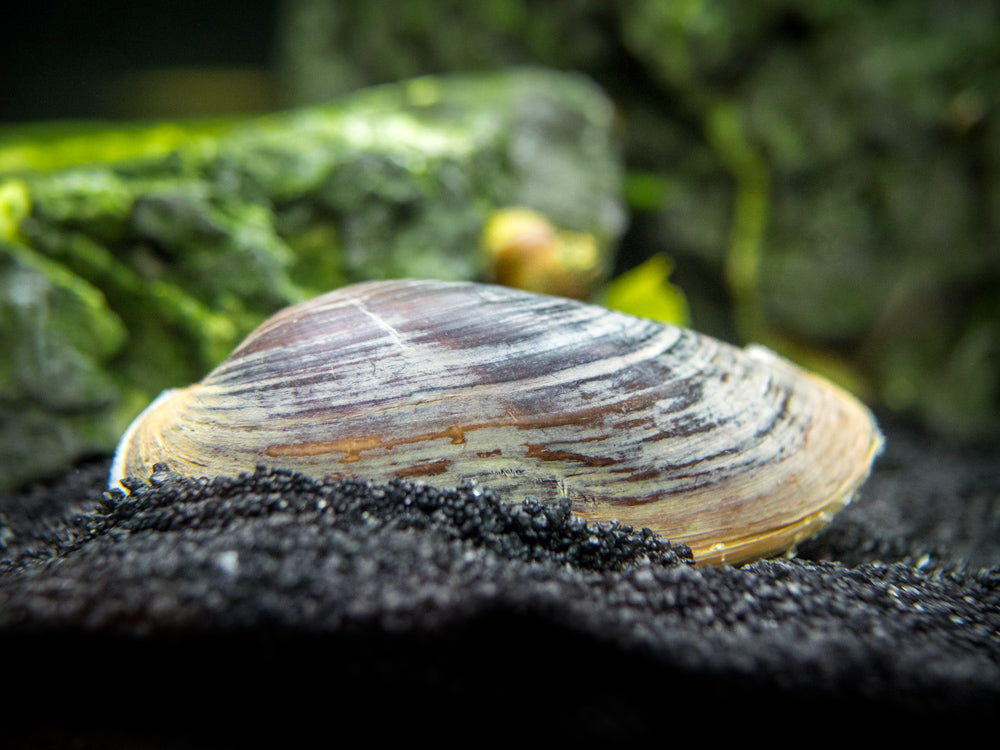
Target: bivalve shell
{"x": 735, "y": 452}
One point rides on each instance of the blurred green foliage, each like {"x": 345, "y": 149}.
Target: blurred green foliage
{"x": 825, "y": 174}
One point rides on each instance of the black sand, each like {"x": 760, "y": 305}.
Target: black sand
{"x": 276, "y": 610}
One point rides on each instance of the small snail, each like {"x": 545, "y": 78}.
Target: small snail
{"x": 735, "y": 452}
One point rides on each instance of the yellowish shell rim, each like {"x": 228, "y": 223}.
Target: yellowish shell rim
{"x": 799, "y": 530}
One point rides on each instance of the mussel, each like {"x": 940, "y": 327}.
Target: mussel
{"x": 736, "y": 452}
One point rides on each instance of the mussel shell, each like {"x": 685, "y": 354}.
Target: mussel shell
{"x": 736, "y": 452}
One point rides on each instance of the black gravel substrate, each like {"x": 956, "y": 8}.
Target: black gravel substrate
{"x": 274, "y": 609}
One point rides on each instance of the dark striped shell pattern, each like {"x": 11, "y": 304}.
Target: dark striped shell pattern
{"x": 735, "y": 452}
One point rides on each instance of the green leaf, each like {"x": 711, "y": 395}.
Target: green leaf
{"x": 646, "y": 291}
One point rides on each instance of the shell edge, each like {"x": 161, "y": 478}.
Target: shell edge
{"x": 118, "y": 462}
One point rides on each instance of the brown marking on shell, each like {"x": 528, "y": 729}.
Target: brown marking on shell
{"x": 628, "y": 423}
{"x": 640, "y": 476}
{"x": 737, "y": 453}
{"x": 432, "y": 469}
{"x": 353, "y": 447}
{"x": 540, "y": 451}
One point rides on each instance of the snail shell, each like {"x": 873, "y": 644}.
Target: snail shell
{"x": 735, "y": 452}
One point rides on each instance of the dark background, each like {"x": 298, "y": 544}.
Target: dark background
{"x": 86, "y": 60}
